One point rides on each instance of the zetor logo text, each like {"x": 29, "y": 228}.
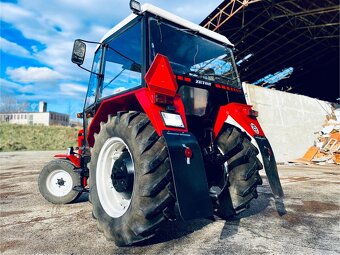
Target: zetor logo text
{"x": 203, "y": 82}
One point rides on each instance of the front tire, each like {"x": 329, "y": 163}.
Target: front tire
{"x": 56, "y": 182}
{"x": 131, "y": 179}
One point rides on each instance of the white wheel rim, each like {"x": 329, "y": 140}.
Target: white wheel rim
{"x": 114, "y": 203}
{"x": 59, "y": 183}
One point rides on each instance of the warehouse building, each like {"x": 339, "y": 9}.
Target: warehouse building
{"x": 36, "y": 118}
{"x": 287, "y": 46}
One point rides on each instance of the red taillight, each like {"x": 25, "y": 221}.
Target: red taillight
{"x": 163, "y": 99}
{"x": 253, "y": 113}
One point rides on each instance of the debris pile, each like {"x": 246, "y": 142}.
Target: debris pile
{"x": 326, "y": 149}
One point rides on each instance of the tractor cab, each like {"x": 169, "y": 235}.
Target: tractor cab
{"x": 202, "y": 62}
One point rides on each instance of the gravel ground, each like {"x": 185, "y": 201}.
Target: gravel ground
{"x": 31, "y": 225}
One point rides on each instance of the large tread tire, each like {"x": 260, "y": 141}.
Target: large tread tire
{"x": 51, "y": 168}
{"x": 152, "y": 185}
{"x": 242, "y": 169}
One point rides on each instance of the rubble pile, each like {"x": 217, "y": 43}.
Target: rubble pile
{"x": 326, "y": 149}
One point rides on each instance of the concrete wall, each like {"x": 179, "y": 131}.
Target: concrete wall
{"x": 288, "y": 120}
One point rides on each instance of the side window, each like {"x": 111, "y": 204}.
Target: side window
{"x": 123, "y": 57}
{"x": 93, "y": 83}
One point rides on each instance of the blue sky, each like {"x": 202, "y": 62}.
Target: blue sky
{"x": 37, "y": 37}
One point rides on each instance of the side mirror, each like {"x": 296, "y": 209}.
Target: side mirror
{"x": 78, "y": 53}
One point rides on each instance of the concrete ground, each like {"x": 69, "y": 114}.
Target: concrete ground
{"x": 31, "y": 225}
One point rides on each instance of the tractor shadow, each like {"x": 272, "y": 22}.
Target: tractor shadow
{"x": 173, "y": 230}
{"x": 257, "y": 206}
{"x": 177, "y": 229}
{"x": 84, "y": 197}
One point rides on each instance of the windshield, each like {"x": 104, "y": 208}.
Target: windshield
{"x": 192, "y": 55}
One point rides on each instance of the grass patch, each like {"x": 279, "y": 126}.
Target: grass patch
{"x": 15, "y": 137}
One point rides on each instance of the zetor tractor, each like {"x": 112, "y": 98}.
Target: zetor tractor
{"x": 167, "y": 132}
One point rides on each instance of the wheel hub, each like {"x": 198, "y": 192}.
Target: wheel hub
{"x": 122, "y": 179}
{"x": 60, "y": 182}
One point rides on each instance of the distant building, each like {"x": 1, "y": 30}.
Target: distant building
{"x": 35, "y": 118}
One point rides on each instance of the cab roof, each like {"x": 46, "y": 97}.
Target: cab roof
{"x": 170, "y": 17}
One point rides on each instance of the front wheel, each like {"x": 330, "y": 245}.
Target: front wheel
{"x": 56, "y": 182}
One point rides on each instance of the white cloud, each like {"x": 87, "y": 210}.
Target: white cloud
{"x": 72, "y": 89}
{"x": 12, "y": 11}
{"x": 10, "y": 88}
{"x": 33, "y": 75}
{"x": 13, "y": 48}
{"x": 5, "y": 84}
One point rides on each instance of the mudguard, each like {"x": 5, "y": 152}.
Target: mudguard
{"x": 238, "y": 115}
{"x": 75, "y": 160}
{"x": 270, "y": 167}
{"x": 189, "y": 176}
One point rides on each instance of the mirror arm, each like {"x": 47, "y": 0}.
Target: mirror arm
{"x": 89, "y": 41}
{"x": 100, "y": 75}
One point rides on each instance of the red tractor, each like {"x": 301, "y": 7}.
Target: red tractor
{"x": 167, "y": 131}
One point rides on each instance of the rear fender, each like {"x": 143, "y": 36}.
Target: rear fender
{"x": 237, "y": 115}
{"x": 126, "y": 101}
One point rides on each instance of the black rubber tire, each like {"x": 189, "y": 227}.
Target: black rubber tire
{"x": 243, "y": 171}
{"x": 152, "y": 193}
{"x": 59, "y": 164}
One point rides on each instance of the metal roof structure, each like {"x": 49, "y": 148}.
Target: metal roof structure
{"x": 272, "y": 35}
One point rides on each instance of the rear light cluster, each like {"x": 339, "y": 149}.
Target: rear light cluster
{"x": 163, "y": 87}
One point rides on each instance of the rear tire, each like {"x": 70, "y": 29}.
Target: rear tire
{"x": 56, "y": 182}
{"x": 241, "y": 172}
{"x": 145, "y": 200}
